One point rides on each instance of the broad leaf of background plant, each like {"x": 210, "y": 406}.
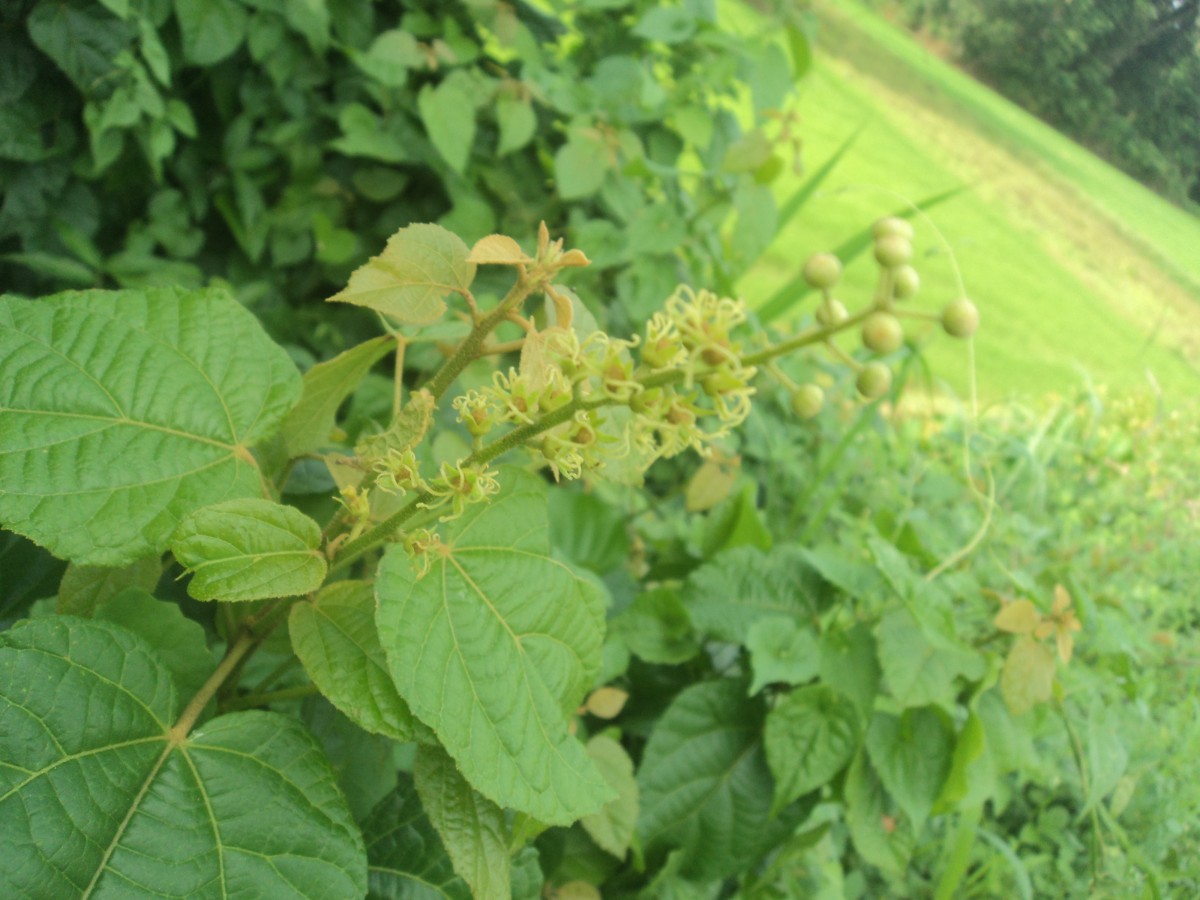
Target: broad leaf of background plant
{"x": 657, "y": 627}
{"x": 83, "y": 588}
{"x": 471, "y": 826}
{"x": 612, "y": 827}
{"x": 179, "y": 641}
{"x": 704, "y": 782}
{"x": 865, "y": 810}
{"x": 493, "y": 647}
{"x": 741, "y": 586}
{"x": 249, "y": 550}
{"x": 811, "y": 735}
{"x": 210, "y": 29}
{"x": 120, "y": 412}
{"x": 849, "y": 666}
{"x": 912, "y": 754}
{"x": 405, "y": 856}
{"x": 920, "y": 665}
{"x": 781, "y": 652}
{"x": 308, "y": 426}
{"x": 448, "y": 111}
{"x": 419, "y": 266}
{"x": 99, "y": 798}
{"x": 335, "y": 638}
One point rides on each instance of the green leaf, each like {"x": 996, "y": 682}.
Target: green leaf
{"x": 210, "y": 29}
{"x": 849, "y": 666}
{"x": 324, "y": 388}
{"x": 612, "y": 828}
{"x": 390, "y": 57}
{"x": 82, "y": 39}
{"x": 1028, "y": 675}
{"x": 740, "y": 586}
{"x": 657, "y": 628}
{"x": 99, "y": 797}
{"x": 83, "y": 588}
{"x": 668, "y": 24}
{"x": 781, "y": 652}
{"x": 704, "y": 782}
{"x": 493, "y": 647}
{"x": 249, "y": 550}
{"x": 335, "y": 638}
{"x": 912, "y": 754}
{"x": 972, "y": 776}
{"x": 920, "y": 666}
{"x": 472, "y": 828}
{"x": 810, "y": 736}
{"x": 407, "y": 430}
{"x": 121, "y": 412}
{"x": 448, "y": 112}
{"x": 527, "y": 876}
{"x": 405, "y": 856}
{"x": 588, "y": 531}
{"x": 177, "y": 639}
{"x": 580, "y": 166}
{"x": 418, "y": 268}
{"x": 517, "y": 121}
{"x": 864, "y": 815}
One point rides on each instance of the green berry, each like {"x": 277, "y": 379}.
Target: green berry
{"x": 905, "y": 282}
{"x": 822, "y": 271}
{"x": 960, "y": 318}
{"x": 892, "y": 225}
{"x": 874, "y": 380}
{"x": 831, "y": 313}
{"x": 807, "y": 400}
{"x": 893, "y": 251}
{"x": 882, "y": 333}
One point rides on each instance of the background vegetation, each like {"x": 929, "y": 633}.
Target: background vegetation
{"x": 809, "y": 624}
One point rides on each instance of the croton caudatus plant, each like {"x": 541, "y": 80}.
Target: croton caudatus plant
{"x": 155, "y": 743}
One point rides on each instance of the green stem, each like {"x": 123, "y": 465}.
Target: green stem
{"x": 233, "y": 656}
{"x": 472, "y": 344}
{"x": 251, "y": 701}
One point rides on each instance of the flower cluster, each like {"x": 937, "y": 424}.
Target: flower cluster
{"x": 686, "y": 387}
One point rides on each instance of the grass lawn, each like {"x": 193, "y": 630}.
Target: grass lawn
{"x": 1079, "y": 271}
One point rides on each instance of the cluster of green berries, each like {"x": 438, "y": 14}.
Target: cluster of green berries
{"x": 881, "y": 331}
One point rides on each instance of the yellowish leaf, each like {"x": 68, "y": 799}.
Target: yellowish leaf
{"x": 498, "y": 250}
{"x": 1018, "y": 617}
{"x": 710, "y": 485}
{"x": 606, "y": 702}
{"x": 1028, "y": 676}
{"x": 1062, "y": 600}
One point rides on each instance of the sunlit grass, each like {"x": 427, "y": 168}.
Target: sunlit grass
{"x": 1079, "y": 271}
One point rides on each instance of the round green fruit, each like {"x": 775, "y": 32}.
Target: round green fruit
{"x": 831, "y": 313}
{"x": 822, "y": 271}
{"x": 892, "y": 225}
{"x": 882, "y": 333}
{"x": 874, "y": 380}
{"x": 905, "y": 282}
{"x": 893, "y": 251}
{"x": 807, "y": 400}
{"x": 960, "y": 318}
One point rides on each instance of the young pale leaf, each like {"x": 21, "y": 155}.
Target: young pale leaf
{"x": 741, "y": 586}
{"x": 419, "y": 266}
{"x": 912, "y": 754}
{"x": 518, "y": 123}
{"x": 704, "y": 782}
{"x": 325, "y": 386}
{"x": 471, "y": 826}
{"x": 405, "y": 856}
{"x": 179, "y": 641}
{"x": 1028, "y": 676}
{"x": 83, "y": 588}
{"x": 448, "y": 112}
{"x": 498, "y": 250}
{"x": 612, "y": 827}
{"x": 810, "y": 736}
{"x": 122, "y": 411}
{"x": 493, "y": 647}
{"x": 335, "y": 638}
{"x": 781, "y": 651}
{"x": 406, "y": 431}
{"x": 97, "y": 793}
{"x": 249, "y": 550}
